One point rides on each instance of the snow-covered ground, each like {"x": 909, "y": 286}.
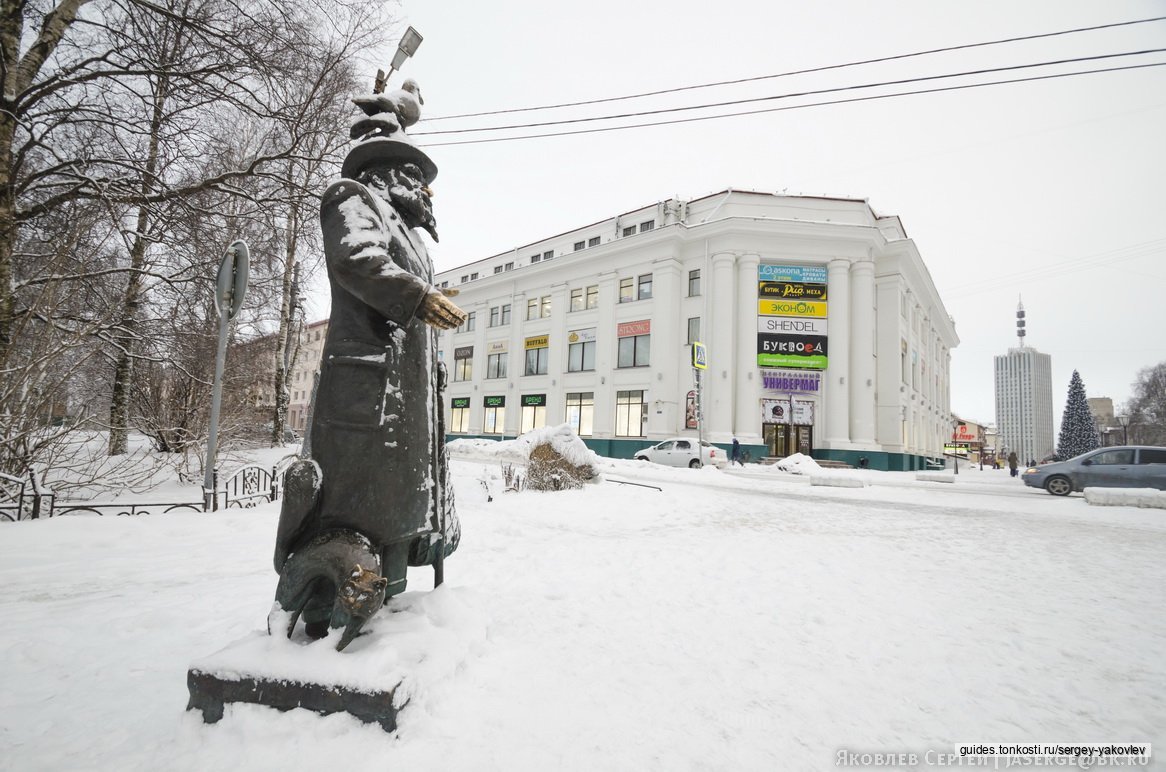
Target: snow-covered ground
{"x": 741, "y": 619}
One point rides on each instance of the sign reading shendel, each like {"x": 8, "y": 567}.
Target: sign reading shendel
{"x": 791, "y": 316}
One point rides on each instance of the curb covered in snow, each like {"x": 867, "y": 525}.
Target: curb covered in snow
{"x": 840, "y": 481}
{"x": 935, "y": 477}
{"x": 1126, "y": 497}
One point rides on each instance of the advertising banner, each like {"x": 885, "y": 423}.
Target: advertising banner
{"x": 498, "y": 347}
{"x": 802, "y": 274}
{"x": 690, "y": 410}
{"x": 460, "y": 402}
{"x": 803, "y": 412}
{"x": 792, "y": 325}
{"x": 494, "y": 401}
{"x": 586, "y": 335}
{"x": 808, "y": 351}
{"x": 789, "y": 289}
{"x": 770, "y": 307}
{"x": 463, "y": 352}
{"x": 538, "y": 341}
{"x": 534, "y": 400}
{"x": 633, "y": 328}
{"x": 792, "y": 381}
{"x": 775, "y": 411}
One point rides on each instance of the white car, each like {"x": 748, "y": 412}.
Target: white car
{"x": 681, "y": 451}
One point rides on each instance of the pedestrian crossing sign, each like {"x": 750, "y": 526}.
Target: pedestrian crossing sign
{"x": 700, "y": 357}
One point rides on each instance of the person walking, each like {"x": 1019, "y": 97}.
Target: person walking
{"x": 735, "y": 453}
{"x": 1013, "y": 461}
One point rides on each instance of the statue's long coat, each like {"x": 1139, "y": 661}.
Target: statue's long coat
{"x": 375, "y": 428}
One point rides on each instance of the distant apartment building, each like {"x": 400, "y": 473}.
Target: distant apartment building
{"x": 304, "y": 371}
{"x": 1024, "y": 403}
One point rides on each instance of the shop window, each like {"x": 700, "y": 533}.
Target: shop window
{"x": 581, "y": 412}
{"x": 630, "y": 413}
{"x": 634, "y": 351}
{"x": 581, "y": 356}
{"x": 496, "y": 365}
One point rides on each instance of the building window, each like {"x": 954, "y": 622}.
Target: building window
{"x": 634, "y": 351}
{"x": 593, "y": 242}
{"x": 644, "y": 290}
{"x": 693, "y": 330}
{"x": 494, "y": 316}
{"x": 630, "y": 412}
{"x": 534, "y": 412}
{"x": 497, "y": 269}
{"x": 468, "y": 324}
{"x": 473, "y": 275}
{"x": 510, "y": 266}
{"x": 627, "y": 289}
{"x": 532, "y": 309}
{"x": 463, "y": 363}
{"x": 545, "y": 306}
{"x": 537, "y": 355}
{"x": 548, "y": 254}
{"x": 506, "y": 314}
{"x": 579, "y": 245}
{"x": 630, "y": 230}
{"x": 647, "y": 226}
{"x": 581, "y": 412}
{"x": 459, "y": 415}
{"x": 585, "y": 298}
{"x": 496, "y": 365}
{"x": 581, "y": 353}
{"x": 465, "y": 278}
{"x": 694, "y": 283}
{"x": 535, "y": 258}
{"x": 495, "y": 418}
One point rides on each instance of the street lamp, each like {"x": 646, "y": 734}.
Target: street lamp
{"x": 1124, "y": 420}
{"x": 408, "y": 46}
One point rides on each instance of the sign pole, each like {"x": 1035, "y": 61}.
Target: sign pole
{"x": 699, "y": 362}
{"x": 229, "y": 291}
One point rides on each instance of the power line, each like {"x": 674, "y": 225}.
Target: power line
{"x": 815, "y": 92}
{"x": 823, "y": 68}
{"x": 874, "y": 97}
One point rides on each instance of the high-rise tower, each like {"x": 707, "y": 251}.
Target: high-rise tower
{"x": 1024, "y": 398}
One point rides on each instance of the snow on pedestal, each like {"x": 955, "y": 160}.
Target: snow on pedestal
{"x": 415, "y": 641}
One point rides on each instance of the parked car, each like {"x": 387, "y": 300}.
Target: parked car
{"x": 681, "y": 451}
{"x": 1126, "y": 466}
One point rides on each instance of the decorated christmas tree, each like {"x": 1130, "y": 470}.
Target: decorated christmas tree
{"x": 1078, "y": 431}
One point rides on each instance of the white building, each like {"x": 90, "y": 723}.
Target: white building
{"x": 823, "y": 330}
{"x": 1024, "y": 403}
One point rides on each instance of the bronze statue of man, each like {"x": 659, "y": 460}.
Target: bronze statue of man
{"x": 376, "y": 486}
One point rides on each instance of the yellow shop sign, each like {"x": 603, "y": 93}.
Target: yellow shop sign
{"x": 790, "y": 307}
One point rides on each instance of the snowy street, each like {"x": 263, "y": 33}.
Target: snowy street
{"x": 736, "y": 620}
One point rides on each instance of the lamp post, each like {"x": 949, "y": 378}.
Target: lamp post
{"x": 1124, "y": 420}
{"x": 408, "y": 46}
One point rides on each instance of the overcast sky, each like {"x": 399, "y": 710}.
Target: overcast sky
{"x": 1051, "y": 190}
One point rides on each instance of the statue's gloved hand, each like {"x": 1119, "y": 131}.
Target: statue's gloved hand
{"x": 438, "y": 311}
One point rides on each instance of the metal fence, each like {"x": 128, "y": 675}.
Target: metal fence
{"x": 248, "y": 486}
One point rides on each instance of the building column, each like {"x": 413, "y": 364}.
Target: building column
{"x": 837, "y": 390}
{"x": 862, "y": 362}
{"x": 747, "y": 410}
{"x": 665, "y": 393}
{"x": 718, "y": 387}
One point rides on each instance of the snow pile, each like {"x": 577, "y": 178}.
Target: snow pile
{"x": 517, "y": 451}
{"x": 1126, "y": 497}
{"x": 798, "y": 463}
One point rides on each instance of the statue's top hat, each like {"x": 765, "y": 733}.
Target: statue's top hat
{"x": 381, "y": 133}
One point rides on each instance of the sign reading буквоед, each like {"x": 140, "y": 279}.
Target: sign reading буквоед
{"x": 791, "y": 316}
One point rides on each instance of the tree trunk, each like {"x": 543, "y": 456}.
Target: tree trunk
{"x": 287, "y": 341}
{"x": 123, "y": 373}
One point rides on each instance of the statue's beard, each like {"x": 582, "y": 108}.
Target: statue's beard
{"x": 415, "y": 207}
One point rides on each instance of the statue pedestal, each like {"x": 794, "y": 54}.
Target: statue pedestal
{"x": 417, "y": 640}
{"x": 209, "y": 693}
